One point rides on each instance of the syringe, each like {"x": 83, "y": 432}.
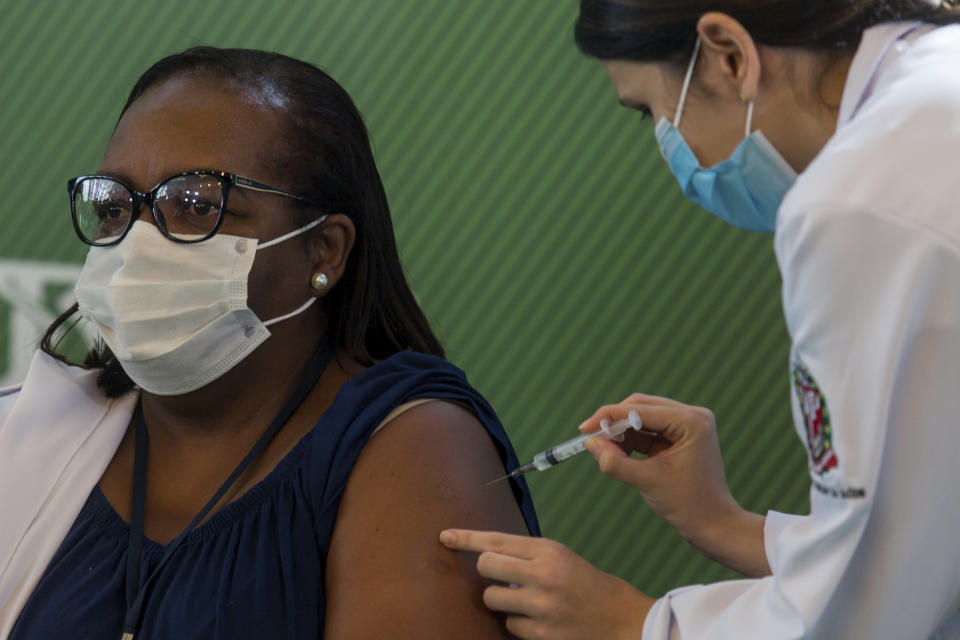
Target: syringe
{"x": 555, "y": 455}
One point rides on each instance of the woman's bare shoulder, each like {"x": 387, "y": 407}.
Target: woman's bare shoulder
{"x": 387, "y": 574}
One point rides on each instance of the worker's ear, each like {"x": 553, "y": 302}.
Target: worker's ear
{"x": 731, "y": 62}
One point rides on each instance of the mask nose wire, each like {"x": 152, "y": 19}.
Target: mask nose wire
{"x": 686, "y": 83}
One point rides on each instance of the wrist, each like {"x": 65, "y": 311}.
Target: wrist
{"x": 634, "y": 607}
{"x": 713, "y": 529}
{"x": 735, "y": 540}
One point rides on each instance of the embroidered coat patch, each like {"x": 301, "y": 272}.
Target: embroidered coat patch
{"x": 816, "y": 418}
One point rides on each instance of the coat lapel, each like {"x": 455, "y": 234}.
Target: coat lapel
{"x": 54, "y": 446}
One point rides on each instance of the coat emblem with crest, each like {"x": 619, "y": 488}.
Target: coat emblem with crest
{"x": 816, "y": 418}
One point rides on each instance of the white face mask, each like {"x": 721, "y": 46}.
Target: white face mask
{"x": 175, "y": 315}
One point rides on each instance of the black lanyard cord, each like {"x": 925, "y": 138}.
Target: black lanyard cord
{"x": 135, "y": 592}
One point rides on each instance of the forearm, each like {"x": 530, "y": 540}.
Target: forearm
{"x": 735, "y": 541}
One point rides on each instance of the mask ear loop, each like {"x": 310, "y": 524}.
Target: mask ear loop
{"x": 293, "y": 233}
{"x": 686, "y": 83}
{"x": 295, "y": 312}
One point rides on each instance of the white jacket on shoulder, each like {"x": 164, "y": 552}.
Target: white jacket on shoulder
{"x": 58, "y": 432}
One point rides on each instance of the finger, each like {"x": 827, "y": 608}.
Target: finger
{"x": 639, "y": 441}
{"x": 503, "y": 543}
{"x": 508, "y": 599}
{"x": 646, "y": 443}
{"x": 613, "y": 462}
{"x": 496, "y": 566}
{"x": 642, "y": 398}
{"x": 654, "y": 417}
{"x": 524, "y": 628}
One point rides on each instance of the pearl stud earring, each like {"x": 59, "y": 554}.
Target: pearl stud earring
{"x": 319, "y": 281}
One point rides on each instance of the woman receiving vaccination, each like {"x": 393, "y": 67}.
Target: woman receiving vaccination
{"x": 268, "y": 437}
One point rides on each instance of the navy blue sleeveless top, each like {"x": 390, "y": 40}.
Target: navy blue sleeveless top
{"x": 256, "y": 568}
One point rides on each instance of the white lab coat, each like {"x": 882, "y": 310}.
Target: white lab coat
{"x": 58, "y": 433}
{"x": 868, "y": 244}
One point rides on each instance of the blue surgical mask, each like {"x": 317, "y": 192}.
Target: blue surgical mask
{"x": 745, "y": 190}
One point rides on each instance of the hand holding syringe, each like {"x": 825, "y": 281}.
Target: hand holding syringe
{"x": 555, "y": 455}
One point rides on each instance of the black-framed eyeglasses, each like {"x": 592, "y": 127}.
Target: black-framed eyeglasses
{"x": 187, "y": 206}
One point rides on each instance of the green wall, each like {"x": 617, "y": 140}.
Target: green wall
{"x": 538, "y": 225}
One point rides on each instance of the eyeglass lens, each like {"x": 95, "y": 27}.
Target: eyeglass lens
{"x": 188, "y": 206}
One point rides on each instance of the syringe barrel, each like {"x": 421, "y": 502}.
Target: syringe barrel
{"x": 556, "y": 455}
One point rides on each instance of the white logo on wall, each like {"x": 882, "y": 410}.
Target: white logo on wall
{"x": 32, "y": 295}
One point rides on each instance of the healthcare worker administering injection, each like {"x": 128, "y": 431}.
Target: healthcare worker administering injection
{"x": 834, "y": 125}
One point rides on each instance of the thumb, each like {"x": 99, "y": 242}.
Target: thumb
{"x": 619, "y": 465}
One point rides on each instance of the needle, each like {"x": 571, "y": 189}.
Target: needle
{"x": 516, "y": 472}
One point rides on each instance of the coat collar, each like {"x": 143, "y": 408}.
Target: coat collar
{"x": 874, "y": 47}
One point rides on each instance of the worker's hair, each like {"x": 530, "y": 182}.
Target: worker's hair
{"x": 371, "y": 313}
{"x": 665, "y": 30}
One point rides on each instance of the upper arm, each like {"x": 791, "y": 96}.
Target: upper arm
{"x": 874, "y": 312}
{"x": 387, "y": 574}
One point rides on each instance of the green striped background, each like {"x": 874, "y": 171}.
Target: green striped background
{"x": 538, "y": 225}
